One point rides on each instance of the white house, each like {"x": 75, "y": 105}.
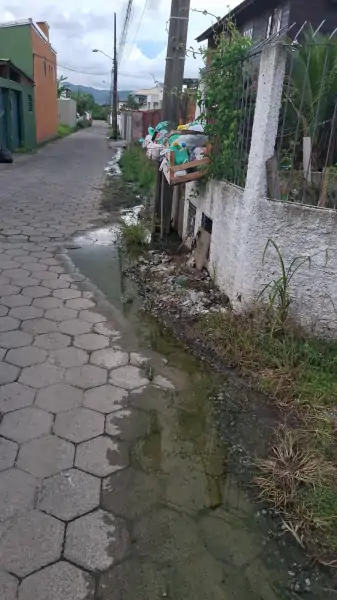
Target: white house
{"x": 149, "y": 99}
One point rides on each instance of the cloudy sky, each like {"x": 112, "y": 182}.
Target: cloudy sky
{"x": 78, "y": 26}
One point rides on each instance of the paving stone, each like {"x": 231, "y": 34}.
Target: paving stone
{"x": 128, "y": 377}
{"x": 15, "y": 339}
{"x": 26, "y": 357}
{"x": 61, "y": 314}
{"x": 39, "y": 326}
{"x": 105, "y": 399}
{"x": 61, "y": 581}
{"x": 8, "y": 586}
{"x": 56, "y": 269}
{"x": 91, "y": 317}
{"x": 2, "y": 353}
{"x": 3, "y": 311}
{"x": 138, "y": 360}
{"x": 49, "y": 302}
{"x": 8, "y": 452}
{"x": 69, "y": 357}
{"x": 17, "y": 492}
{"x": 17, "y": 300}
{"x": 67, "y": 294}
{"x": 8, "y": 373}
{"x": 86, "y": 377}
{"x": 8, "y": 290}
{"x": 46, "y": 456}
{"x": 107, "y": 330}
{"x": 26, "y": 312}
{"x": 35, "y": 267}
{"x": 96, "y": 541}
{"x": 16, "y": 252}
{"x": 124, "y": 582}
{"x": 55, "y": 284}
{"x": 16, "y": 274}
{"x": 80, "y": 303}
{"x": 27, "y": 281}
{"x": 147, "y": 492}
{"x": 102, "y": 456}
{"x": 91, "y": 341}
{"x": 8, "y": 264}
{"x": 59, "y": 397}
{"x": 163, "y": 382}
{"x": 109, "y": 358}
{"x": 26, "y": 424}
{"x": 127, "y": 424}
{"x": 75, "y": 327}
{"x": 14, "y": 396}
{"x": 8, "y": 324}
{"x": 25, "y": 258}
{"x": 70, "y": 494}
{"x": 36, "y": 291}
{"x": 50, "y": 261}
{"x": 52, "y": 341}
{"x": 30, "y": 541}
{"x": 40, "y": 376}
{"x": 79, "y": 425}
{"x": 4, "y": 280}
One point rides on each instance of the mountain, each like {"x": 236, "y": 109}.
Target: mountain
{"x": 100, "y": 96}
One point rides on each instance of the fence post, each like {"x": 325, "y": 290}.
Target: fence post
{"x": 266, "y": 119}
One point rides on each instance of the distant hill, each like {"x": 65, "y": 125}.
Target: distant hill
{"x": 100, "y": 96}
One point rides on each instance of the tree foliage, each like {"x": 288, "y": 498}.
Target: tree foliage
{"x": 223, "y": 84}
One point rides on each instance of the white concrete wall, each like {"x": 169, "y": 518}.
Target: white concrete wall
{"x": 298, "y": 231}
{"x": 67, "y": 112}
{"x": 244, "y": 220}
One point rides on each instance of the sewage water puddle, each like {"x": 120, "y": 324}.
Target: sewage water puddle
{"x": 195, "y": 534}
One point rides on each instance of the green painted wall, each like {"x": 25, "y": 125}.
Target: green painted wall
{"x": 16, "y": 44}
{"x": 28, "y": 128}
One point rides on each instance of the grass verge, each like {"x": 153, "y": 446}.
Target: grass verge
{"x": 299, "y": 374}
{"x": 138, "y": 177}
{"x": 64, "y": 130}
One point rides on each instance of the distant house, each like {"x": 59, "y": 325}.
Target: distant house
{"x": 149, "y": 99}
{"x": 258, "y": 19}
{"x": 26, "y": 46}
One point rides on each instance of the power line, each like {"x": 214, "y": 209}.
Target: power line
{"x": 138, "y": 27}
{"x": 124, "y": 30}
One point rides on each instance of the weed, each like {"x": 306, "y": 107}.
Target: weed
{"x": 134, "y": 235}
{"x": 278, "y": 289}
{"x": 64, "y": 130}
{"x": 138, "y": 169}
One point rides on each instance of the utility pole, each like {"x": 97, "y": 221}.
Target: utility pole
{"x": 175, "y": 59}
{"x": 115, "y": 85}
{"x": 173, "y": 83}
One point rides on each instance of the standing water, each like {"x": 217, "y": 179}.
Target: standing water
{"x": 195, "y": 535}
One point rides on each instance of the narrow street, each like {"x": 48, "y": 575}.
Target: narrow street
{"x": 112, "y": 483}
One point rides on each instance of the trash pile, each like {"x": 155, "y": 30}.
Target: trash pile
{"x": 187, "y": 143}
{"x": 169, "y": 286}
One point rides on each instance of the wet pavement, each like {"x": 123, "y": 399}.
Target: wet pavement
{"x": 113, "y": 483}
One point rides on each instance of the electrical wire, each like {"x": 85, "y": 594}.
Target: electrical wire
{"x": 138, "y": 27}
{"x": 124, "y": 31}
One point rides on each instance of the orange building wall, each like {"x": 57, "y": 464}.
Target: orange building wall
{"x": 45, "y": 91}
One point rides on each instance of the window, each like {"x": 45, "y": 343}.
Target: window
{"x": 274, "y": 21}
{"x": 248, "y": 31}
{"x": 45, "y": 66}
{"x": 30, "y": 102}
{"x": 155, "y": 105}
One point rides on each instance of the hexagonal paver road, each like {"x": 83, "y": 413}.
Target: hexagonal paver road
{"x": 64, "y": 387}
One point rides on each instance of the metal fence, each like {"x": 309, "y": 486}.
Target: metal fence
{"x": 306, "y": 145}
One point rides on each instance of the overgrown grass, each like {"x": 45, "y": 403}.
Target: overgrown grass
{"x": 134, "y": 235}
{"x": 299, "y": 374}
{"x": 64, "y": 130}
{"x": 138, "y": 177}
{"x": 138, "y": 170}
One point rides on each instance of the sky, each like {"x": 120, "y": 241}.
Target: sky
{"x": 79, "y": 26}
